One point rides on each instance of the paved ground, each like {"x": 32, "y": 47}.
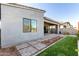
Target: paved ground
{"x": 31, "y": 47}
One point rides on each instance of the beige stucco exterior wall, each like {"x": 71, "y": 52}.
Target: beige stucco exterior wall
{"x": 12, "y": 25}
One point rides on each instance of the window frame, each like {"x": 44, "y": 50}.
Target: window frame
{"x": 30, "y": 25}
{"x": 36, "y": 25}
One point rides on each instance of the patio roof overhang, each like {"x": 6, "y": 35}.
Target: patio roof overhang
{"x": 48, "y": 20}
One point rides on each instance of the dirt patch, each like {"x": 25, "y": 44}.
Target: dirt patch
{"x": 11, "y": 51}
{"x": 50, "y": 41}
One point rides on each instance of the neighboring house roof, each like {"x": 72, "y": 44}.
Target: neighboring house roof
{"x": 66, "y": 23}
{"x": 51, "y": 20}
{"x": 22, "y": 6}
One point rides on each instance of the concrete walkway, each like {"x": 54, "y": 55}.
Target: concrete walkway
{"x": 32, "y": 47}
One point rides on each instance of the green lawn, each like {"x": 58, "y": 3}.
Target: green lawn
{"x": 65, "y": 47}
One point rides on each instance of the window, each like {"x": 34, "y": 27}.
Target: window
{"x": 33, "y": 26}
{"x": 26, "y": 25}
{"x": 29, "y": 25}
{"x": 52, "y": 27}
{"x": 61, "y": 26}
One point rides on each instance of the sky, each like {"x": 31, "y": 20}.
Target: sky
{"x": 62, "y": 12}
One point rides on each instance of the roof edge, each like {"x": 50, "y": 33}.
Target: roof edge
{"x": 22, "y": 6}
{"x": 51, "y": 20}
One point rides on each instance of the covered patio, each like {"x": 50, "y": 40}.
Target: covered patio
{"x": 50, "y": 26}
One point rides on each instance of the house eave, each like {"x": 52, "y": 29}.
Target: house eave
{"x": 23, "y": 7}
{"x": 46, "y": 19}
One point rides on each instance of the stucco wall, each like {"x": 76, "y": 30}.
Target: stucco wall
{"x": 12, "y": 25}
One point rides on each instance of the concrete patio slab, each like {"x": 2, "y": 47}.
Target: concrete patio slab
{"x": 27, "y": 51}
{"x": 33, "y": 42}
{"x": 21, "y": 46}
{"x": 49, "y": 36}
{"x": 39, "y": 46}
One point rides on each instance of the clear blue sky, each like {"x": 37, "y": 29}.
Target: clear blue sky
{"x": 59, "y": 11}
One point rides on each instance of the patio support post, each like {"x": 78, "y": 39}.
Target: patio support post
{"x": 58, "y": 29}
